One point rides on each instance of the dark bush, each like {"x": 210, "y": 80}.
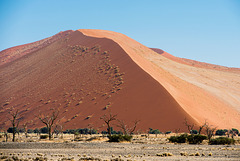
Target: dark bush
{"x": 21, "y": 130}
{"x": 154, "y": 131}
{"x": 30, "y": 131}
{"x": 194, "y": 132}
{"x": 43, "y": 136}
{"x": 112, "y": 132}
{"x": 36, "y": 131}
{"x": 235, "y": 130}
{"x": 220, "y": 132}
{"x": 119, "y": 138}
{"x": 80, "y": 131}
{"x": 10, "y": 130}
{"x": 104, "y": 132}
{"x": 168, "y": 132}
{"x": 196, "y": 139}
{"x": 221, "y": 141}
{"x": 44, "y": 130}
{"x": 178, "y": 139}
{"x": 70, "y": 131}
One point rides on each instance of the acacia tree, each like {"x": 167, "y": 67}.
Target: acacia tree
{"x": 15, "y": 122}
{"x": 231, "y": 132}
{"x": 127, "y": 130}
{"x": 189, "y": 126}
{"x": 107, "y": 119}
{"x": 49, "y": 120}
{"x": 201, "y": 127}
{"x": 210, "y": 130}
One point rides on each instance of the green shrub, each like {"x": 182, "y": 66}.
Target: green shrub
{"x": 178, "y": 139}
{"x": 168, "y": 132}
{"x": 30, "y": 131}
{"x": 119, "y": 138}
{"x": 10, "y": 130}
{"x": 192, "y": 139}
{"x": 194, "y": 132}
{"x": 221, "y": 132}
{"x": 196, "y": 139}
{"x": 44, "y": 130}
{"x": 221, "y": 141}
{"x": 235, "y": 130}
{"x": 154, "y": 131}
{"x": 43, "y": 136}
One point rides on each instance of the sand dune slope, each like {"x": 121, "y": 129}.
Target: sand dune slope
{"x": 205, "y": 94}
{"x": 85, "y": 78}
{"x": 14, "y": 53}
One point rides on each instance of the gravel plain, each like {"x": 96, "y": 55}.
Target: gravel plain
{"x": 117, "y": 151}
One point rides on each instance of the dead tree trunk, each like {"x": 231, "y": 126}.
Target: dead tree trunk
{"x": 189, "y": 126}
{"x": 49, "y": 120}
{"x": 25, "y": 129}
{"x": 14, "y": 122}
{"x": 6, "y": 136}
{"x": 201, "y": 127}
{"x": 107, "y": 120}
{"x": 210, "y": 131}
{"x": 126, "y": 129}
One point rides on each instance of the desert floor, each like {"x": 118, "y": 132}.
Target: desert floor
{"x": 96, "y": 148}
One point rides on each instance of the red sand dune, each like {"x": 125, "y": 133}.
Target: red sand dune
{"x": 76, "y": 75}
{"x": 14, "y": 53}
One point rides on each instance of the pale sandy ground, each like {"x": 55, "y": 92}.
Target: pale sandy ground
{"x": 141, "y": 148}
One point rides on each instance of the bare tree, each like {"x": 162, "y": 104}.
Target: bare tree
{"x": 121, "y": 124}
{"x": 232, "y": 133}
{"x": 58, "y": 129}
{"x": 209, "y": 130}
{"x": 107, "y": 119}
{"x": 5, "y": 133}
{"x": 134, "y": 126}
{"x": 127, "y": 130}
{"x": 49, "y": 120}
{"x": 25, "y": 128}
{"x": 177, "y": 131}
{"x": 189, "y": 126}
{"x": 15, "y": 122}
{"x": 201, "y": 127}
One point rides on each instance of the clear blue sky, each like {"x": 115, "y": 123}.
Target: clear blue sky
{"x": 203, "y": 30}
